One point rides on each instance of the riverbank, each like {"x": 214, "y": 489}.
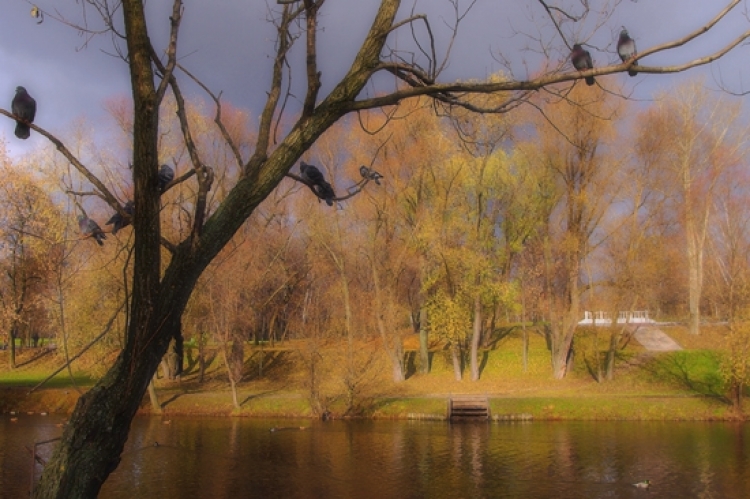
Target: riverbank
{"x": 293, "y": 405}
{"x": 683, "y": 385}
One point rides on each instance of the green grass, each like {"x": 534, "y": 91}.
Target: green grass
{"x": 693, "y": 372}
{"x": 646, "y": 386}
{"x": 29, "y": 379}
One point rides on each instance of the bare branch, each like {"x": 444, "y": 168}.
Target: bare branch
{"x": 168, "y": 69}
{"x": 570, "y": 17}
{"x": 445, "y": 89}
{"x": 266, "y": 117}
{"x": 217, "y": 117}
{"x": 694, "y": 34}
{"x": 204, "y": 174}
{"x": 313, "y": 75}
{"x": 358, "y": 187}
{"x": 105, "y": 193}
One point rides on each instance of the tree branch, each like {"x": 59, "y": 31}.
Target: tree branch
{"x": 105, "y": 193}
{"x": 168, "y": 69}
{"x": 217, "y": 117}
{"x": 313, "y": 75}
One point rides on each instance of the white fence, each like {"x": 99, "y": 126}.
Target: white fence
{"x": 603, "y": 318}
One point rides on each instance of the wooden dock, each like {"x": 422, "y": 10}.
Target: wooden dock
{"x": 468, "y": 408}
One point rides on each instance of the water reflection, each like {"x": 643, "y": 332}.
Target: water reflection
{"x": 226, "y": 457}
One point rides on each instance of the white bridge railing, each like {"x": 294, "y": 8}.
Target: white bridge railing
{"x": 603, "y": 319}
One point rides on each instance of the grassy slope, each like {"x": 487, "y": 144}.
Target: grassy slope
{"x": 680, "y": 385}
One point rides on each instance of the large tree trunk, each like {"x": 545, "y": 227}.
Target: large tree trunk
{"x": 397, "y": 365}
{"x": 98, "y": 428}
{"x": 560, "y": 353}
{"x": 92, "y": 442}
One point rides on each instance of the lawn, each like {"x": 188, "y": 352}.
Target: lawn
{"x": 677, "y": 385}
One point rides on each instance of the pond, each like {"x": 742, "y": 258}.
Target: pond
{"x": 230, "y": 457}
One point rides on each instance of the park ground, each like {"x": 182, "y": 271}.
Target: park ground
{"x": 681, "y": 385}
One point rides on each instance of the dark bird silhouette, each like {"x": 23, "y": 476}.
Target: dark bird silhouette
{"x": 23, "y": 106}
{"x": 90, "y": 228}
{"x": 118, "y": 221}
{"x": 369, "y": 173}
{"x": 581, "y": 60}
{"x": 626, "y": 50}
{"x": 166, "y": 175}
{"x": 322, "y": 189}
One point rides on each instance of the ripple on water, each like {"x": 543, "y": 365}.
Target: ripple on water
{"x": 240, "y": 458}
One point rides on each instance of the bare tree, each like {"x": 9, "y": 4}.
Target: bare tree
{"x": 91, "y": 444}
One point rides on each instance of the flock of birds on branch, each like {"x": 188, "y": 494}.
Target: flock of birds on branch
{"x": 24, "y": 109}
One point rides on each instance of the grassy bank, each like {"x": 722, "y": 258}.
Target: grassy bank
{"x": 682, "y": 385}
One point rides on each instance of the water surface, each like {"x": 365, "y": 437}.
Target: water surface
{"x": 238, "y": 458}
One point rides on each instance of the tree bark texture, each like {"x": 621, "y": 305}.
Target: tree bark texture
{"x": 94, "y": 439}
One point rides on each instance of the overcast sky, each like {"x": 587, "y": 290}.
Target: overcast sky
{"x": 229, "y": 44}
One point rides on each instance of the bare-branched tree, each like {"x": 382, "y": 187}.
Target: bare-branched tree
{"x": 91, "y": 444}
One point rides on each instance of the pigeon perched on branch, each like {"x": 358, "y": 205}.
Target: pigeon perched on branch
{"x": 626, "y": 50}
{"x": 166, "y": 175}
{"x": 322, "y": 189}
{"x": 90, "y": 228}
{"x": 581, "y": 60}
{"x": 118, "y": 221}
{"x": 369, "y": 173}
{"x": 24, "y": 107}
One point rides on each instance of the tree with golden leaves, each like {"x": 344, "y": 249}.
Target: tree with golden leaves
{"x": 92, "y": 442}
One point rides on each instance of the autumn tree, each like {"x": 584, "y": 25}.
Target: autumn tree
{"x": 94, "y": 438}
{"x": 573, "y": 151}
{"x": 698, "y": 140}
{"x": 627, "y": 263}
{"x": 377, "y": 236}
{"x": 728, "y": 268}
{"x": 30, "y": 232}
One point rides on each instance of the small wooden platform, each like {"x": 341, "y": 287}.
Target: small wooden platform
{"x": 468, "y": 408}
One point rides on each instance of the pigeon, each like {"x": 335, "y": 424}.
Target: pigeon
{"x": 626, "y": 50}
{"x": 90, "y": 228}
{"x": 581, "y": 60}
{"x": 23, "y": 106}
{"x": 322, "y": 189}
{"x": 371, "y": 174}
{"x": 166, "y": 175}
{"x": 118, "y": 221}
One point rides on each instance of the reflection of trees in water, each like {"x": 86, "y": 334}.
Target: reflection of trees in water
{"x": 469, "y": 452}
{"x": 221, "y": 458}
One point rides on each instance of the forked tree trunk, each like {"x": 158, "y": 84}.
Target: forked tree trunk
{"x": 93, "y": 440}
{"x": 562, "y": 350}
